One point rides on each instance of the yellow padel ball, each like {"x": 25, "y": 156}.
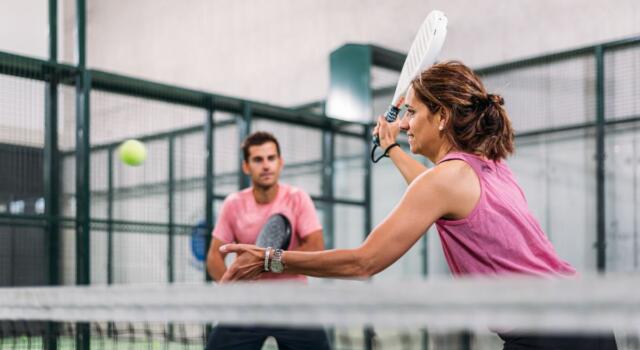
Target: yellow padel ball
{"x": 132, "y": 152}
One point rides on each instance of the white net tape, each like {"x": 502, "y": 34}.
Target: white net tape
{"x": 582, "y": 304}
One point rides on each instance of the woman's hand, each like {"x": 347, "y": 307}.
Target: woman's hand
{"x": 387, "y": 132}
{"x": 248, "y": 265}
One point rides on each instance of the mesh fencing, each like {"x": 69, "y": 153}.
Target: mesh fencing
{"x": 435, "y": 314}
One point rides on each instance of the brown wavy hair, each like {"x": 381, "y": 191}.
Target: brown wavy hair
{"x": 476, "y": 121}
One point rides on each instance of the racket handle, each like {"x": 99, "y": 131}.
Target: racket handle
{"x": 391, "y": 115}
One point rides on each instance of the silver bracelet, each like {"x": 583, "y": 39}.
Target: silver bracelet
{"x": 266, "y": 258}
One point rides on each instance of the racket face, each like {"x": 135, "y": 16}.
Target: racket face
{"x": 276, "y": 233}
{"x": 423, "y": 52}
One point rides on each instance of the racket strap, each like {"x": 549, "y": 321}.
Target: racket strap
{"x": 385, "y": 154}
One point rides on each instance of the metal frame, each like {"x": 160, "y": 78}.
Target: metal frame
{"x": 54, "y": 73}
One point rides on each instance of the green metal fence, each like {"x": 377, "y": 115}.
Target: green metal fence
{"x": 71, "y": 213}
{"x": 571, "y": 111}
{"x": 576, "y": 115}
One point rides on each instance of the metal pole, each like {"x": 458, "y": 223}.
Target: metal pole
{"x": 209, "y": 188}
{"x": 171, "y": 190}
{"x": 244, "y": 128}
{"x": 368, "y": 210}
{"x": 425, "y": 273}
{"x": 110, "y": 169}
{"x": 601, "y": 240}
{"x": 328, "y": 157}
{"x": 83, "y": 83}
{"x": 83, "y": 86}
{"x": 369, "y": 333}
{"x": 52, "y": 171}
{"x": 170, "y": 214}
{"x": 209, "y": 180}
{"x": 51, "y": 154}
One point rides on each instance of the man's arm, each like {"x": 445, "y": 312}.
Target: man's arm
{"x": 215, "y": 260}
{"x": 312, "y": 242}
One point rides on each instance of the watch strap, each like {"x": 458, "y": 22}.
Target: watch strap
{"x": 267, "y": 252}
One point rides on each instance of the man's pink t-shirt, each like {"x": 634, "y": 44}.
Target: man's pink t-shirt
{"x": 500, "y": 235}
{"x": 241, "y": 219}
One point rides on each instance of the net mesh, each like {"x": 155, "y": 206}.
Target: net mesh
{"x": 434, "y": 314}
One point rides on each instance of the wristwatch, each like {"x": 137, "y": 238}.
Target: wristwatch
{"x": 276, "y": 265}
{"x": 266, "y": 258}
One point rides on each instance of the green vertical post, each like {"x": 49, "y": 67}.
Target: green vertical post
{"x": 601, "y": 236}
{"x": 83, "y": 225}
{"x": 52, "y": 171}
{"x": 328, "y": 158}
{"x": 369, "y": 333}
{"x": 51, "y": 154}
{"x": 425, "y": 243}
{"x": 81, "y": 27}
{"x": 110, "y": 169}
{"x": 171, "y": 190}
{"x": 110, "y": 197}
{"x": 328, "y": 173}
{"x": 209, "y": 186}
{"x": 83, "y": 212}
{"x": 171, "y": 219}
{"x": 83, "y": 86}
{"x": 209, "y": 173}
{"x": 244, "y": 128}
{"x": 368, "y": 207}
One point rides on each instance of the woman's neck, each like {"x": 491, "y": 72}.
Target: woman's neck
{"x": 444, "y": 149}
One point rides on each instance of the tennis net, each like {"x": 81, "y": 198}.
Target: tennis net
{"x": 432, "y": 314}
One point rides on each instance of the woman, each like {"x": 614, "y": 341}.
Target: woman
{"x": 470, "y": 194}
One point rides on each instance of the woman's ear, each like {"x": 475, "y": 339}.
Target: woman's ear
{"x": 443, "y": 116}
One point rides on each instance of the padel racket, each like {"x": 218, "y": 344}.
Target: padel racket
{"x": 423, "y": 52}
{"x": 276, "y": 233}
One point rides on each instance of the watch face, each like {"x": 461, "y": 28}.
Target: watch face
{"x": 276, "y": 266}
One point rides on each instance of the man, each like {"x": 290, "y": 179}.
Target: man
{"x": 243, "y": 216}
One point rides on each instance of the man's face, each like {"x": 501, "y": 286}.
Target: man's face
{"x": 263, "y": 165}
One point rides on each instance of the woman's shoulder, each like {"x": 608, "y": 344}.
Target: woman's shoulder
{"x": 455, "y": 184}
{"x": 445, "y": 175}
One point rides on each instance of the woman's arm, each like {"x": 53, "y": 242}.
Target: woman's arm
{"x": 425, "y": 200}
{"x": 215, "y": 260}
{"x": 408, "y": 166}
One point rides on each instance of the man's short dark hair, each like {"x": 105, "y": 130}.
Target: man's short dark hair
{"x": 256, "y": 139}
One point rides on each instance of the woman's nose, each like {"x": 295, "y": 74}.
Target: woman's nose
{"x": 404, "y": 125}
